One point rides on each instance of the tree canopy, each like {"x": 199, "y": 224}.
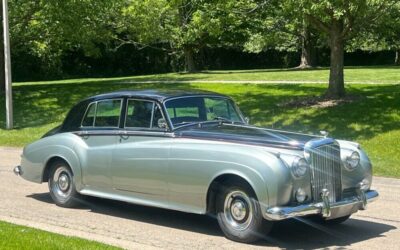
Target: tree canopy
{"x": 48, "y": 30}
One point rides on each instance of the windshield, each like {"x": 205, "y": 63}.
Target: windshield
{"x": 200, "y": 109}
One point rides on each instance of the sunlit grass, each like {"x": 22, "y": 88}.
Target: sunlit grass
{"x": 20, "y": 237}
{"x": 373, "y": 74}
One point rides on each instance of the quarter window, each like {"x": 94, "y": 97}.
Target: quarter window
{"x": 88, "y": 121}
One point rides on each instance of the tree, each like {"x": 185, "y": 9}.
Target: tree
{"x": 163, "y": 24}
{"x": 47, "y": 29}
{"x": 183, "y": 27}
{"x": 279, "y": 29}
{"x": 339, "y": 20}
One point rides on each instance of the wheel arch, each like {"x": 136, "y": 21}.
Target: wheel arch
{"x": 67, "y": 155}
{"x": 220, "y": 180}
{"x": 50, "y": 161}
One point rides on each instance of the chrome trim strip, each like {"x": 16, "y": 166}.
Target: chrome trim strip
{"x": 124, "y": 132}
{"x": 322, "y": 208}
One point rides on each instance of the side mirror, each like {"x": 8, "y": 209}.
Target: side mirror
{"x": 161, "y": 123}
{"x": 247, "y": 120}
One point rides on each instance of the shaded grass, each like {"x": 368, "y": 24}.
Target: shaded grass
{"x": 373, "y": 120}
{"x": 20, "y": 237}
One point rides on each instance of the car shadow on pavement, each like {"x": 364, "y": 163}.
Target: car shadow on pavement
{"x": 303, "y": 233}
{"x": 296, "y": 233}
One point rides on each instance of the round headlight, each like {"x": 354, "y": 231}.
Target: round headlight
{"x": 299, "y": 167}
{"x": 352, "y": 161}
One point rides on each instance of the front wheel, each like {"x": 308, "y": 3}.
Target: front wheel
{"x": 61, "y": 185}
{"x": 239, "y": 214}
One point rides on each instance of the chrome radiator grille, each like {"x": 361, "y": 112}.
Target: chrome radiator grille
{"x": 326, "y": 172}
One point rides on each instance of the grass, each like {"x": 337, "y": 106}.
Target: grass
{"x": 373, "y": 120}
{"x": 377, "y": 74}
{"x": 20, "y": 237}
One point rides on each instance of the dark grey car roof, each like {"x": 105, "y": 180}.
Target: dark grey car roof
{"x": 160, "y": 95}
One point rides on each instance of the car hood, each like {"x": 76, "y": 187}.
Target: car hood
{"x": 247, "y": 135}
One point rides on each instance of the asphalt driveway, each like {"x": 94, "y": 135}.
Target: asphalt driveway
{"x": 131, "y": 226}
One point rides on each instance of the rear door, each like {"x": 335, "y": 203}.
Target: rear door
{"x": 100, "y": 127}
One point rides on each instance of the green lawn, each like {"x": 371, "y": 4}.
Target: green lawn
{"x": 379, "y": 74}
{"x": 20, "y": 237}
{"x": 373, "y": 120}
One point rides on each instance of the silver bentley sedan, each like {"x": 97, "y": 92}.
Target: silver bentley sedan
{"x": 195, "y": 152}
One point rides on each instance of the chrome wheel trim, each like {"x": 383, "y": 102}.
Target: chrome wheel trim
{"x": 61, "y": 183}
{"x": 238, "y": 210}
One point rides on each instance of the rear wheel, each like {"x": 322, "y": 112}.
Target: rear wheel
{"x": 239, "y": 214}
{"x": 61, "y": 185}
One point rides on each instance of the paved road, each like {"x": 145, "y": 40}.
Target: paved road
{"x": 134, "y": 227}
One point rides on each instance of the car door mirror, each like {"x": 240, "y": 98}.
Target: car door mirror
{"x": 247, "y": 120}
{"x": 161, "y": 123}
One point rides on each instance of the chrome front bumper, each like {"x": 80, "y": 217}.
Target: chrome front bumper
{"x": 325, "y": 208}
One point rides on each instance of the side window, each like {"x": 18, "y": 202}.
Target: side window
{"x": 107, "y": 113}
{"x": 103, "y": 114}
{"x": 139, "y": 114}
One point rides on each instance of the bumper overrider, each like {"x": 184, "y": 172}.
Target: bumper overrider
{"x": 17, "y": 170}
{"x": 325, "y": 208}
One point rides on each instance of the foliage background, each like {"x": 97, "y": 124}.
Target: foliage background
{"x": 91, "y": 38}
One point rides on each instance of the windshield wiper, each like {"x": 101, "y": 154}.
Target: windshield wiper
{"x": 187, "y": 124}
{"x": 221, "y": 118}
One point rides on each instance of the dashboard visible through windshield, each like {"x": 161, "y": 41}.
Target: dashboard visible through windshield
{"x": 200, "y": 109}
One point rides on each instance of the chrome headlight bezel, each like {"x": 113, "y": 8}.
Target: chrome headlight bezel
{"x": 352, "y": 161}
{"x": 299, "y": 167}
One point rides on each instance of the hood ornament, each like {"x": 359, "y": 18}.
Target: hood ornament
{"x": 324, "y": 133}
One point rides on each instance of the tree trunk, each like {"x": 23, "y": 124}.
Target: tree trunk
{"x": 336, "y": 75}
{"x": 190, "y": 66}
{"x": 397, "y": 58}
{"x": 306, "y": 60}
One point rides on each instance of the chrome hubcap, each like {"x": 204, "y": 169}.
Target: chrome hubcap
{"x": 63, "y": 182}
{"x": 238, "y": 210}
{"x": 60, "y": 183}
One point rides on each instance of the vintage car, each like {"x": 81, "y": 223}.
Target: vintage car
{"x": 195, "y": 152}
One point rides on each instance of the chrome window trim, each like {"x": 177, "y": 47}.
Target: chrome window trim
{"x": 95, "y": 113}
{"x": 152, "y": 116}
{"x": 204, "y": 96}
{"x": 155, "y": 103}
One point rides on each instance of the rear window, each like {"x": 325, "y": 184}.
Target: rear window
{"x": 103, "y": 114}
